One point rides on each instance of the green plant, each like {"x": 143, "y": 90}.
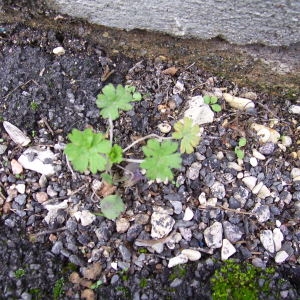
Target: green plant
{"x": 212, "y": 101}
{"x": 58, "y": 288}
{"x": 19, "y": 273}
{"x": 33, "y": 105}
{"x": 240, "y": 281}
{"x": 97, "y": 284}
{"x": 143, "y": 283}
{"x": 238, "y": 151}
{"x": 96, "y": 152}
{"x": 188, "y": 133}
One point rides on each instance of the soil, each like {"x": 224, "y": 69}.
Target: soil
{"x": 46, "y": 95}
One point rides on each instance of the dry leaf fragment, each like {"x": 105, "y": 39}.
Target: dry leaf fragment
{"x": 170, "y": 71}
{"x": 16, "y": 134}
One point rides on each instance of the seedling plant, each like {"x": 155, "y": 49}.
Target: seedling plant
{"x": 240, "y": 153}
{"x": 96, "y": 152}
{"x": 212, "y": 101}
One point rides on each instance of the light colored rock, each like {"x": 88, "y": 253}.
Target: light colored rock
{"x": 177, "y": 260}
{"x": 186, "y": 233}
{"x": 294, "y": 109}
{"x": 198, "y": 111}
{"x": 212, "y": 202}
{"x": 250, "y": 182}
{"x": 20, "y": 187}
{"x": 281, "y": 256}
{"x": 218, "y": 190}
{"x": 202, "y": 199}
{"x": 162, "y": 225}
{"x": 191, "y": 254}
{"x": 286, "y": 141}
{"x": 295, "y": 173}
{"x": 16, "y": 134}
{"x": 188, "y": 214}
{"x": 85, "y": 217}
{"x": 258, "y": 155}
{"x": 41, "y": 197}
{"x": 38, "y": 160}
{"x": 238, "y": 102}
{"x": 264, "y": 192}
{"x": 257, "y": 188}
{"x": 122, "y": 225}
{"x": 59, "y": 51}
{"x": 53, "y": 209}
{"x": 234, "y": 166}
{"x": 253, "y": 161}
{"x": 266, "y": 238}
{"x": 164, "y": 127}
{"x": 262, "y": 212}
{"x": 213, "y": 235}
{"x": 178, "y": 88}
{"x": 177, "y": 205}
{"x": 277, "y": 238}
{"x": 193, "y": 171}
{"x": 265, "y": 133}
{"x": 16, "y": 167}
{"x": 2, "y": 149}
{"x": 227, "y": 250}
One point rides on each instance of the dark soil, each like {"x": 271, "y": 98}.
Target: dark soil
{"x": 47, "y": 95}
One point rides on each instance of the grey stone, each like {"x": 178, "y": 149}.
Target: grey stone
{"x": 162, "y": 224}
{"x": 232, "y": 232}
{"x": 273, "y": 25}
{"x": 21, "y": 199}
{"x": 177, "y": 205}
{"x": 218, "y": 190}
{"x": 262, "y": 213}
{"x": 126, "y": 254}
{"x": 176, "y": 282}
{"x": 133, "y": 232}
{"x": 213, "y": 235}
{"x": 266, "y": 238}
{"x": 57, "y": 247}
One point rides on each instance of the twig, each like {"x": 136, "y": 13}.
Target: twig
{"x": 48, "y": 231}
{"x": 227, "y": 209}
{"x": 133, "y": 160}
{"x": 111, "y": 130}
{"x": 21, "y": 85}
{"x": 152, "y": 135}
{"x": 48, "y": 126}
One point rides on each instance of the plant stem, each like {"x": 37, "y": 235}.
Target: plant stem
{"x": 111, "y": 130}
{"x": 133, "y": 160}
{"x": 152, "y": 135}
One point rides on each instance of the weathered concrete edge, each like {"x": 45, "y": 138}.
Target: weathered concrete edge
{"x": 268, "y": 22}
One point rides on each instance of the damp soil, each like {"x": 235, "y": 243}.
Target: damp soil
{"x": 46, "y": 95}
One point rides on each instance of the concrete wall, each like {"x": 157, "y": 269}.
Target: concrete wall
{"x": 271, "y": 22}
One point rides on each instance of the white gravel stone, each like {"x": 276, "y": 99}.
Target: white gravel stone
{"x": 258, "y": 155}
{"x": 16, "y": 167}
{"x": 213, "y": 235}
{"x": 234, "y": 166}
{"x": 227, "y": 250}
{"x": 16, "y": 134}
{"x": 266, "y": 238}
{"x": 253, "y": 161}
{"x": 188, "y": 214}
{"x": 177, "y": 260}
{"x": 238, "y": 102}
{"x": 186, "y": 233}
{"x": 86, "y": 217}
{"x": 20, "y": 187}
{"x": 38, "y": 160}
{"x": 218, "y": 190}
{"x": 264, "y": 192}
{"x": 122, "y": 225}
{"x": 164, "y": 127}
{"x": 257, "y": 188}
{"x": 286, "y": 141}
{"x": 232, "y": 232}
{"x": 295, "y": 173}
{"x": 262, "y": 212}
{"x": 277, "y": 238}
{"x": 202, "y": 199}
{"x": 281, "y": 256}
{"x": 294, "y": 109}
{"x": 59, "y": 51}
{"x": 265, "y": 133}
{"x": 41, "y": 197}
{"x": 212, "y": 202}
{"x": 191, "y": 254}
{"x": 162, "y": 224}
{"x": 193, "y": 171}
{"x": 250, "y": 182}
{"x": 198, "y": 111}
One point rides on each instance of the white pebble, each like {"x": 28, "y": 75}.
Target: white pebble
{"x": 20, "y": 188}
{"x": 235, "y": 166}
{"x": 250, "y": 182}
{"x": 253, "y": 161}
{"x": 191, "y": 254}
{"x": 286, "y": 141}
{"x": 188, "y": 214}
{"x": 177, "y": 260}
{"x": 294, "y": 109}
{"x": 281, "y": 256}
{"x": 257, "y": 188}
{"x": 164, "y": 127}
{"x": 258, "y": 155}
{"x": 59, "y": 51}
{"x": 227, "y": 249}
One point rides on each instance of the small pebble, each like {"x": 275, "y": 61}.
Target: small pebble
{"x": 164, "y": 127}
{"x": 16, "y": 167}
{"x": 41, "y": 197}
{"x": 258, "y": 155}
{"x": 191, "y": 254}
{"x": 59, "y": 51}
{"x": 253, "y": 161}
{"x": 281, "y": 256}
{"x": 188, "y": 214}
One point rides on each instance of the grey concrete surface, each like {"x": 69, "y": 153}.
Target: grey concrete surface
{"x": 270, "y": 22}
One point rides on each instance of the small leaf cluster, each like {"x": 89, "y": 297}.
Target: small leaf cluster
{"x": 92, "y": 151}
{"x": 212, "y": 101}
{"x": 240, "y": 153}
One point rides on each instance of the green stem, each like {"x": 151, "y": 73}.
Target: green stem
{"x": 133, "y": 160}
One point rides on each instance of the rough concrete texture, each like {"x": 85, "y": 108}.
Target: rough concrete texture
{"x": 270, "y": 22}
